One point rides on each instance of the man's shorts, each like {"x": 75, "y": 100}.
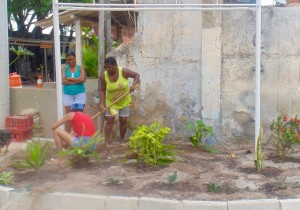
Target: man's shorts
{"x": 82, "y": 141}
{"x": 68, "y": 100}
{"x": 122, "y": 112}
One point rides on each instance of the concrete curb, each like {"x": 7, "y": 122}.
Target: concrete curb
{"x": 14, "y": 200}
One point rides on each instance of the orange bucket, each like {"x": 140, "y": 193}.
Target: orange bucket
{"x": 15, "y": 80}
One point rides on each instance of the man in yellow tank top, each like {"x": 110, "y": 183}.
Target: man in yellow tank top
{"x": 113, "y": 84}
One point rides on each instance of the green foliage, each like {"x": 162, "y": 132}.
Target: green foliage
{"x": 6, "y": 178}
{"x": 90, "y": 61}
{"x": 146, "y": 142}
{"x": 113, "y": 181}
{"x": 36, "y": 155}
{"x": 213, "y": 187}
{"x": 172, "y": 179}
{"x": 259, "y": 156}
{"x": 90, "y": 52}
{"x": 20, "y": 51}
{"x": 284, "y": 135}
{"x": 200, "y": 130}
{"x": 85, "y": 150}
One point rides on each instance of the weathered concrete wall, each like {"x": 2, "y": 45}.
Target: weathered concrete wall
{"x": 44, "y": 100}
{"x": 201, "y": 65}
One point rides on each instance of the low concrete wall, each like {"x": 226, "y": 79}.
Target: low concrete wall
{"x": 45, "y": 101}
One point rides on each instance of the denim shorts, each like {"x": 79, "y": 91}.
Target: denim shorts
{"x": 68, "y": 100}
{"x": 122, "y": 112}
{"x": 81, "y": 141}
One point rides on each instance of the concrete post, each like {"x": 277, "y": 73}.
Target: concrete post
{"x": 4, "y": 64}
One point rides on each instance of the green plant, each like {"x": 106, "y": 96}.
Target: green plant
{"x": 259, "y": 156}
{"x": 36, "y": 155}
{"x": 20, "y": 51}
{"x": 201, "y": 130}
{"x": 284, "y": 133}
{"x": 78, "y": 154}
{"x": 113, "y": 181}
{"x": 147, "y": 143}
{"x": 213, "y": 187}
{"x": 172, "y": 179}
{"x": 6, "y": 178}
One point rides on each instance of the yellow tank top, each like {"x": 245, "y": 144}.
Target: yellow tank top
{"x": 115, "y": 89}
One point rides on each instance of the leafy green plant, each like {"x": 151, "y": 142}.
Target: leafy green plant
{"x": 259, "y": 156}
{"x": 172, "y": 179}
{"x": 200, "y": 131}
{"x": 20, "y": 51}
{"x": 213, "y": 187}
{"x": 6, "y": 178}
{"x": 78, "y": 155}
{"x": 284, "y": 134}
{"x": 113, "y": 181}
{"x": 36, "y": 155}
{"x": 147, "y": 143}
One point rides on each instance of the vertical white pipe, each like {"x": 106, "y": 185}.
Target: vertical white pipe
{"x": 257, "y": 68}
{"x": 57, "y": 59}
{"x": 4, "y": 66}
{"x": 78, "y": 42}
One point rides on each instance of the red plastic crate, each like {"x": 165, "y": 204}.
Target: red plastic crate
{"x": 20, "y": 122}
{"x": 21, "y": 135}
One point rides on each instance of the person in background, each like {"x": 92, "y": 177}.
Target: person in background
{"x": 114, "y": 83}
{"x": 82, "y": 126}
{"x": 73, "y": 78}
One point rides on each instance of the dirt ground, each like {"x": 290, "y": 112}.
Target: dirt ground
{"x": 233, "y": 169}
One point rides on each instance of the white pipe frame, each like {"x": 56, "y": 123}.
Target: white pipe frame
{"x": 160, "y": 7}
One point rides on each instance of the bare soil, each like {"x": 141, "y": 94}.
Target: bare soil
{"x": 233, "y": 169}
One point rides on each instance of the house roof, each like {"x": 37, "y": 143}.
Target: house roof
{"x": 88, "y": 18}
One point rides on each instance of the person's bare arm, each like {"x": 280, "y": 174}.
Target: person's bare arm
{"x": 127, "y": 73}
{"x": 80, "y": 79}
{"x": 66, "y": 118}
{"x": 64, "y": 80}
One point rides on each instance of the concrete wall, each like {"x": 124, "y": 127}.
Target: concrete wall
{"x": 45, "y": 101}
{"x": 200, "y": 65}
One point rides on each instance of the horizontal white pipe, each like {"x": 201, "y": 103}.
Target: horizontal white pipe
{"x": 154, "y": 5}
{"x": 157, "y": 9}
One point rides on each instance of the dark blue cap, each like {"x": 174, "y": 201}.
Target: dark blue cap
{"x": 76, "y": 107}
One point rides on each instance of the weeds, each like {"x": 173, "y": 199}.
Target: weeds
{"x": 213, "y": 187}
{"x": 113, "y": 181}
{"x": 200, "y": 131}
{"x": 36, "y": 155}
{"x": 172, "y": 179}
{"x": 6, "y": 178}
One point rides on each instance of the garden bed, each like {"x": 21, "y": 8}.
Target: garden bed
{"x": 233, "y": 169}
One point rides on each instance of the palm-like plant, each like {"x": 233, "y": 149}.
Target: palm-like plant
{"x": 20, "y": 51}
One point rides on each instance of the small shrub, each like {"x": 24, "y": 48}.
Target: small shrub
{"x": 79, "y": 156}
{"x": 113, "y": 181}
{"x": 146, "y": 142}
{"x": 200, "y": 131}
{"x": 36, "y": 155}
{"x": 213, "y": 187}
{"x": 172, "y": 179}
{"x": 6, "y": 178}
{"x": 284, "y": 134}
